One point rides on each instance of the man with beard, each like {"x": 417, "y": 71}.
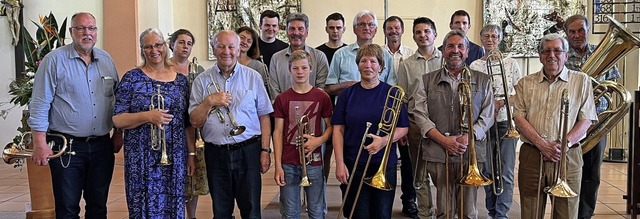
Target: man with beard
{"x": 297, "y": 32}
{"x": 436, "y": 108}
{"x": 426, "y": 59}
{"x": 460, "y": 20}
{"x": 577, "y": 30}
{"x": 344, "y": 70}
{"x": 537, "y": 113}
{"x": 268, "y": 43}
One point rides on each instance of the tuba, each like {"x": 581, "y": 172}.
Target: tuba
{"x": 158, "y": 135}
{"x": 616, "y": 44}
{"x": 13, "y": 152}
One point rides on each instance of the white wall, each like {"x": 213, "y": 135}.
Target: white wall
{"x": 7, "y": 60}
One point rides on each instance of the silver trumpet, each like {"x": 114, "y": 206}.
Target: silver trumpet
{"x": 13, "y": 153}
{"x": 237, "y": 129}
{"x": 158, "y": 135}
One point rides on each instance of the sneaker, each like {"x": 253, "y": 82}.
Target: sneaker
{"x": 410, "y": 209}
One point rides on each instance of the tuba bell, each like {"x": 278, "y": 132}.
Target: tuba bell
{"x": 616, "y": 44}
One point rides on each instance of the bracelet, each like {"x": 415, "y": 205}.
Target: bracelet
{"x": 192, "y": 153}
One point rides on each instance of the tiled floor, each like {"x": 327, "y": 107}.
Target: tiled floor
{"x": 14, "y": 193}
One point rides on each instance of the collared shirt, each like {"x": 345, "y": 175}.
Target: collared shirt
{"x": 538, "y": 101}
{"x": 512, "y": 74}
{"x": 249, "y": 101}
{"x": 575, "y": 61}
{"x": 403, "y": 53}
{"x": 280, "y": 78}
{"x": 72, "y": 97}
{"x": 411, "y": 70}
{"x": 436, "y": 104}
{"x": 344, "y": 67}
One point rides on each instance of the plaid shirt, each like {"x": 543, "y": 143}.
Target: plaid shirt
{"x": 575, "y": 61}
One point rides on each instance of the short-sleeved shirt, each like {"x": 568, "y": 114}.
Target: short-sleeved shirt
{"x": 280, "y": 78}
{"x": 356, "y": 106}
{"x": 344, "y": 67}
{"x": 512, "y": 74}
{"x": 291, "y": 106}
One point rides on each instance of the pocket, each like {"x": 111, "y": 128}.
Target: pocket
{"x": 108, "y": 85}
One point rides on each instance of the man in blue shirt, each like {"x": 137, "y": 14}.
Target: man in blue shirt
{"x": 460, "y": 20}
{"x": 73, "y": 96}
{"x": 234, "y": 162}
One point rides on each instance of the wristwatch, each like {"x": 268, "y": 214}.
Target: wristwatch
{"x": 268, "y": 150}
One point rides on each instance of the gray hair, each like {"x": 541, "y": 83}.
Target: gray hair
{"x": 214, "y": 38}
{"x": 157, "y": 32}
{"x": 456, "y": 33}
{"x": 73, "y": 17}
{"x": 362, "y": 14}
{"x": 552, "y": 37}
{"x": 298, "y": 17}
{"x": 492, "y": 28}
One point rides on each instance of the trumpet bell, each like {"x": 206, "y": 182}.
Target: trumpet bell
{"x": 474, "y": 177}
{"x": 237, "y": 130}
{"x": 12, "y": 153}
{"x": 305, "y": 182}
{"x": 164, "y": 160}
{"x": 379, "y": 181}
{"x": 562, "y": 190}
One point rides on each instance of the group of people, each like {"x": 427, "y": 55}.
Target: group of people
{"x": 314, "y": 102}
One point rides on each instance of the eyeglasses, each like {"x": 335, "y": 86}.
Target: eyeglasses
{"x": 554, "y": 51}
{"x": 490, "y": 36}
{"x": 157, "y": 46}
{"x": 83, "y": 29}
{"x": 366, "y": 24}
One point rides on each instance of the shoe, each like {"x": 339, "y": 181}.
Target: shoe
{"x": 410, "y": 209}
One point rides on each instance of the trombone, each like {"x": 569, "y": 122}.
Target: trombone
{"x": 387, "y": 125}
{"x": 303, "y": 128}
{"x": 494, "y": 59}
{"x": 237, "y": 129}
{"x": 159, "y": 135}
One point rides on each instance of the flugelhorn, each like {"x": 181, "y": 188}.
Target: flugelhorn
{"x": 303, "y": 128}
{"x": 616, "y": 44}
{"x": 237, "y": 129}
{"x": 561, "y": 187}
{"x": 13, "y": 152}
{"x": 158, "y": 135}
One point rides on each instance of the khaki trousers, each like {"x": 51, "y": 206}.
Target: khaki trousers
{"x": 450, "y": 194}
{"x": 422, "y": 181}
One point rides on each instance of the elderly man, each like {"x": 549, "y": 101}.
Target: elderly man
{"x": 73, "y": 96}
{"x": 436, "y": 107}
{"x": 577, "y": 30}
{"x": 268, "y": 43}
{"x": 537, "y": 115}
{"x": 460, "y": 20}
{"x": 344, "y": 69}
{"x": 234, "y": 162}
{"x": 426, "y": 59}
{"x": 279, "y": 77}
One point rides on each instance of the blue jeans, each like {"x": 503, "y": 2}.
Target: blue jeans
{"x": 290, "y": 193}
{"x": 372, "y": 203}
{"x": 499, "y": 205}
{"x": 88, "y": 174}
{"x": 234, "y": 174}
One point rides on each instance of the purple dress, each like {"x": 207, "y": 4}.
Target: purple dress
{"x": 154, "y": 191}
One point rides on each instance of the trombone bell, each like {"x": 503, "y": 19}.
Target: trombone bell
{"x": 562, "y": 190}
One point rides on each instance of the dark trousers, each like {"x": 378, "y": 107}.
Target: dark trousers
{"x": 87, "y": 173}
{"x": 591, "y": 179}
{"x": 372, "y": 203}
{"x": 406, "y": 176}
{"x": 234, "y": 174}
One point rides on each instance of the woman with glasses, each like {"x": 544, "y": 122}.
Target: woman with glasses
{"x": 497, "y": 203}
{"x": 151, "y": 105}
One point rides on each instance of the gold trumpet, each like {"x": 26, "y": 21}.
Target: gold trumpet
{"x": 561, "y": 187}
{"x": 387, "y": 125}
{"x": 303, "y": 128}
{"x": 195, "y": 69}
{"x": 237, "y": 129}
{"x": 616, "y": 44}
{"x": 13, "y": 152}
{"x": 158, "y": 135}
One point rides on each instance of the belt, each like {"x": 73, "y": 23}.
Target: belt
{"x": 571, "y": 147}
{"x": 234, "y": 146}
{"x": 92, "y": 138}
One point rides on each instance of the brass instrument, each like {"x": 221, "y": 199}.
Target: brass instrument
{"x": 387, "y": 125}
{"x": 158, "y": 134}
{"x": 13, "y": 152}
{"x": 561, "y": 187}
{"x": 193, "y": 71}
{"x": 237, "y": 129}
{"x": 616, "y": 44}
{"x": 303, "y": 128}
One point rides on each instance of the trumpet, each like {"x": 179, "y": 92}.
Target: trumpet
{"x": 195, "y": 69}
{"x": 13, "y": 153}
{"x": 237, "y": 129}
{"x": 303, "y": 128}
{"x": 158, "y": 135}
{"x": 387, "y": 125}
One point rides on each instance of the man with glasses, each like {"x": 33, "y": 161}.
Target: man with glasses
{"x": 344, "y": 69}
{"x": 537, "y": 115}
{"x": 577, "y": 29}
{"x": 61, "y": 105}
